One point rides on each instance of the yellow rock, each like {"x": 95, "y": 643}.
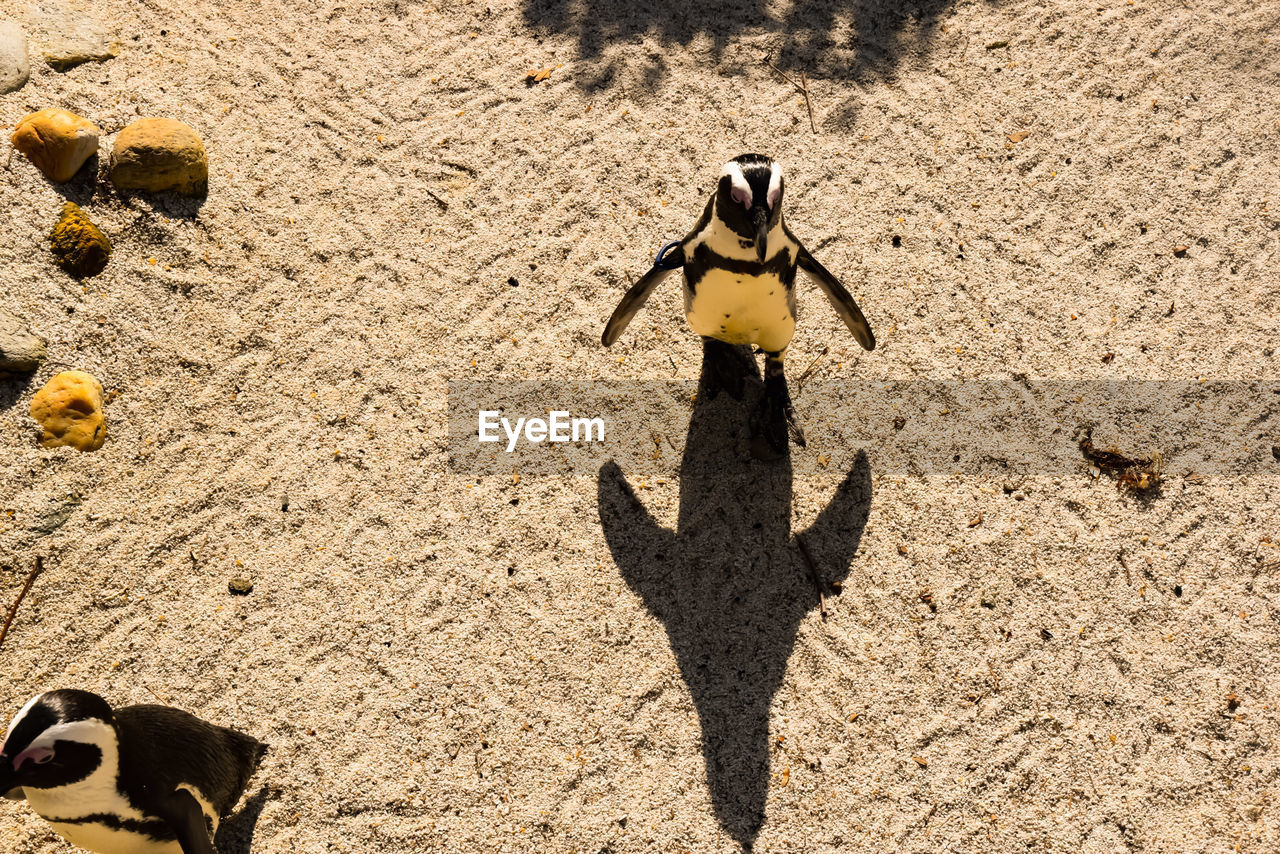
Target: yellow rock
{"x": 57, "y": 142}
{"x": 81, "y": 249}
{"x": 160, "y": 154}
{"x": 69, "y": 409}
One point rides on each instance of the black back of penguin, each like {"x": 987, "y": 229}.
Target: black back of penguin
{"x": 162, "y": 748}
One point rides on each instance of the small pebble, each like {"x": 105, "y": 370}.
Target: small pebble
{"x": 79, "y": 247}
{"x": 15, "y": 69}
{"x": 69, "y": 410}
{"x": 21, "y": 350}
{"x": 58, "y": 142}
{"x": 240, "y": 586}
{"x": 159, "y": 155}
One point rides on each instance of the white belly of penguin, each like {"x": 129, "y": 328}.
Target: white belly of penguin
{"x": 740, "y": 308}
{"x": 107, "y": 840}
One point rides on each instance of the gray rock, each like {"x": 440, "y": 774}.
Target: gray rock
{"x": 21, "y": 350}
{"x": 240, "y": 586}
{"x": 14, "y": 67}
{"x": 71, "y": 34}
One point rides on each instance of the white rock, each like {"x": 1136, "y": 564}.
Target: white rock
{"x": 14, "y": 66}
{"x": 71, "y": 34}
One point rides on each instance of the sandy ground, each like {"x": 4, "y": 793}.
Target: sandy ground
{"x": 447, "y": 660}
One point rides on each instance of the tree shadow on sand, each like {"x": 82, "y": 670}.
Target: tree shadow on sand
{"x": 731, "y": 588}
{"x": 879, "y": 33}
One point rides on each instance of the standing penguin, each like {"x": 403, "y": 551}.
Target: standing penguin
{"x": 137, "y": 780}
{"x": 739, "y": 265}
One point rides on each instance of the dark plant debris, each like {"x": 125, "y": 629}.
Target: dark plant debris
{"x": 1136, "y": 474}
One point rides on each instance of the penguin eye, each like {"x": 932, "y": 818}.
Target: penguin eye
{"x": 741, "y": 196}
{"x": 44, "y": 758}
{"x": 774, "y": 195}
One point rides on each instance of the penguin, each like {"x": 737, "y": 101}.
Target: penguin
{"x": 739, "y": 265}
{"x": 135, "y": 780}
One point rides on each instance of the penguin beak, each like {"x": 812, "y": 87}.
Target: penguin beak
{"x": 762, "y": 232}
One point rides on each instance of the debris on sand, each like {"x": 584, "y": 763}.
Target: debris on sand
{"x": 1137, "y": 474}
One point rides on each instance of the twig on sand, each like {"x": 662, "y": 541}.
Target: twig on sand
{"x": 26, "y": 588}
{"x": 813, "y": 575}
{"x": 802, "y": 87}
{"x": 444, "y": 206}
{"x": 809, "y": 370}
{"x": 807, "y": 103}
{"x": 154, "y": 694}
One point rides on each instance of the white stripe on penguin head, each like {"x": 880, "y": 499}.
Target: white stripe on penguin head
{"x": 93, "y": 731}
{"x": 21, "y": 714}
{"x": 775, "y": 183}
{"x": 739, "y": 181}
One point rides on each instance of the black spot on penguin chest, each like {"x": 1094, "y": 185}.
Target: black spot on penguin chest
{"x": 704, "y": 259}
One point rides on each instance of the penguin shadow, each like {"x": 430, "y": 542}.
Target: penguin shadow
{"x": 235, "y": 832}
{"x": 730, "y": 586}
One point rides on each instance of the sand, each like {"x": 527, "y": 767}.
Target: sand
{"x": 445, "y": 660}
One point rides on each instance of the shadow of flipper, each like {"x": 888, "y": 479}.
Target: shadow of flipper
{"x": 235, "y": 834}
{"x": 730, "y": 588}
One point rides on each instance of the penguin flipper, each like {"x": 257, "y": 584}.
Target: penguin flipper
{"x": 840, "y": 298}
{"x": 633, "y": 301}
{"x": 187, "y": 820}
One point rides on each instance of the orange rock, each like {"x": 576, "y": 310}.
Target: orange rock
{"x": 157, "y": 155}
{"x": 69, "y": 409}
{"x": 57, "y": 142}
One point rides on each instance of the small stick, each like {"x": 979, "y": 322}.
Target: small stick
{"x": 154, "y": 694}
{"x": 809, "y": 106}
{"x": 813, "y": 575}
{"x": 802, "y": 88}
{"x": 805, "y": 375}
{"x": 782, "y": 73}
{"x": 444, "y": 206}
{"x": 26, "y": 588}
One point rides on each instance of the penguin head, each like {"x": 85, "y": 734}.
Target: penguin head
{"x": 749, "y": 199}
{"x": 59, "y": 738}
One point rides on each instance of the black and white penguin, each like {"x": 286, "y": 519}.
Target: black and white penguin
{"x": 136, "y": 780}
{"x": 739, "y": 264}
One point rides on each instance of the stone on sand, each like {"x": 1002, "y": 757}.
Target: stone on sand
{"x": 69, "y": 410}
{"x": 58, "y": 142}
{"x": 14, "y": 66}
{"x": 71, "y": 34}
{"x": 79, "y": 247}
{"x": 21, "y": 350}
{"x": 156, "y": 155}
